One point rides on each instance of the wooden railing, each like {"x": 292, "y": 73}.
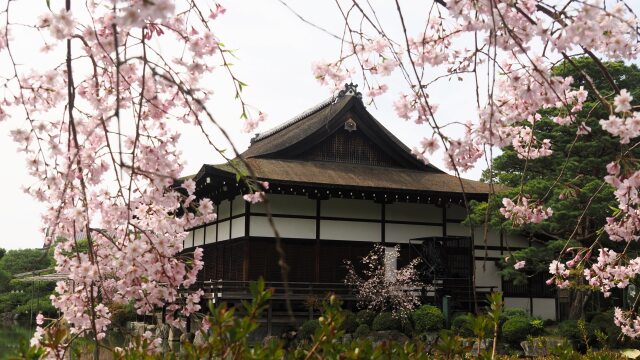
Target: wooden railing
{"x": 239, "y": 290}
{"x": 229, "y": 290}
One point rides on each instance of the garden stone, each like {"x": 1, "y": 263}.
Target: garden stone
{"x": 540, "y": 346}
{"x": 472, "y": 345}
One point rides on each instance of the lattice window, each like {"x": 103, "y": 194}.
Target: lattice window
{"x": 349, "y": 147}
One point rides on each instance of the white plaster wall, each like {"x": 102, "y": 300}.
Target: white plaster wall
{"x": 482, "y": 253}
{"x": 238, "y": 205}
{"x": 401, "y": 233}
{"x": 287, "y": 204}
{"x": 456, "y": 212}
{"x": 198, "y": 239}
{"x": 454, "y": 229}
{"x": 516, "y": 302}
{"x": 188, "y": 241}
{"x": 210, "y": 234}
{"x": 293, "y": 228}
{"x": 515, "y": 241}
{"x": 488, "y": 276}
{"x": 237, "y": 227}
{"x": 223, "y": 209}
{"x": 350, "y": 230}
{"x": 223, "y": 230}
{"x": 493, "y": 237}
{"x": 413, "y": 212}
{"x": 545, "y": 308}
{"x": 351, "y": 208}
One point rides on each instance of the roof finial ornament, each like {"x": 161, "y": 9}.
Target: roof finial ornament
{"x": 350, "y": 89}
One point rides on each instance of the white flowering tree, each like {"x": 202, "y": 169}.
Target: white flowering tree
{"x": 101, "y": 142}
{"x": 380, "y": 286}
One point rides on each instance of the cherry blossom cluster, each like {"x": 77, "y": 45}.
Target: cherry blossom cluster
{"x": 427, "y": 145}
{"x": 609, "y": 271}
{"x": 628, "y": 321}
{"x": 626, "y": 127}
{"x": 560, "y": 274}
{"x": 521, "y": 212}
{"x": 625, "y": 225}
{"x": 524, "y": 143}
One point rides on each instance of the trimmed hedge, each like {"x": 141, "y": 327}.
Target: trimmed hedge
{"x": 386, "y": 321}
{"x": 362, "y": 331}
{"x": 516, "y": 329}
{"x": 365, "y": 317}
{"x": 511, "y": 313}
{"x": 350, "y": 323}
{"x": 308, "y": 328}
{"x": 427, "y": 318}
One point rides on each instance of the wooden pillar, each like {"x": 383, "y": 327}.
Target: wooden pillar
{"x": 317, "y": 243}
{"x": 230, "y": 217}
{"x": 444, "y": 220}
{"x": 247, "y": 229}
{"x": 383, "y": 220}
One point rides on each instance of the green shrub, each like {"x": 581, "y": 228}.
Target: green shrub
{"x": 537, "y": 327}
{"x": 461, "y": 325}
{"x": 386, "y": 321}
{"x": 35, "y": 306}
{"x": 516, "y": 329}
{"x": 365, "y": 317}
{"x": 308, "y": 328}
{"x": 568, "y": 329}
{"x": 427, "y": 318}
{"x": 9, "y": 301}
{"x": 407, "y": 327}
{"x": 350, "y": 323}
{"x": 604, "y": 322}
{"x": 511, "y": 313}
{"x": 362, "y": 331}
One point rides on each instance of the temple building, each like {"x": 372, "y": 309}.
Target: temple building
{"x": 339, "y": 182}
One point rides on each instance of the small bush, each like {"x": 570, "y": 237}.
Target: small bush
{"x": 365, "y": 317}
{"x": 427, "y": 318}
{"x": 511, "y": 313}
{"x": 568, "y": 329}
{"x": 516, "y": 330}
{"x": 386, "y": 321}
{"x": 362, "y": 331}
{"x": 407, "y": 327}
{"x": 308, "y": 328}
{"x": 350, "y": 323}
{"x": 461, "y": 325}
{"x": 35, "y": 306}
{"x": 604, "y": 322}
{"x": 537, "y": 327}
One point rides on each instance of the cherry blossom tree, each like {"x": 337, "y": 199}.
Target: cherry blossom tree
{"x": 101, "y": 140}
{"x": 507, "y": 50}
{"x": 380, "y": 286}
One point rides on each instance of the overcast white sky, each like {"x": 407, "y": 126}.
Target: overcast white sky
{"x": 275, "y": 51}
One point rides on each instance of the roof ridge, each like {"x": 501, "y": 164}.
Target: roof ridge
{"x": 294, "y": 120}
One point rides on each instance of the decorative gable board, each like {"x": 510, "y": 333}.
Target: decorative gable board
{"x": 351, "y": 147}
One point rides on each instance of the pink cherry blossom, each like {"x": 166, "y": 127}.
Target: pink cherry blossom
{"x": 622, "y": 101}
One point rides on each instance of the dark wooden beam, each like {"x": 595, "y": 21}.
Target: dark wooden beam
{"x": 317, "y": 244}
